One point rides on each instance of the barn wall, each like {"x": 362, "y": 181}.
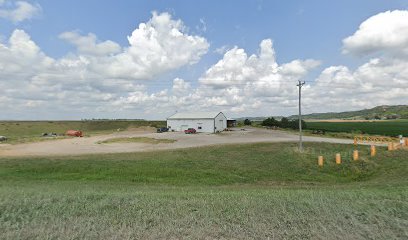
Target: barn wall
{"x": 207, "y": 125}
{"x": 220, "y": 122}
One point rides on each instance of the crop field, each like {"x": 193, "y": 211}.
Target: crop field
{"x": 386, "y": 128}
{"x": 30, "y": 131}
{"x": 246, "y": 191}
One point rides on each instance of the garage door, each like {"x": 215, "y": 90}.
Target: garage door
{"x": 183, "y": 127}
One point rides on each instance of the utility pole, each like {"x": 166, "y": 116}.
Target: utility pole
{"x": 300, "y": 84}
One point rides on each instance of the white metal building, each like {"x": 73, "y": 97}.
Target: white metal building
{"x": 209, "y": 122}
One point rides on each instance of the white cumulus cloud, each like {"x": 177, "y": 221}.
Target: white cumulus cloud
{"x": 89, "y": 44}
{"x": 181, "y": 87}
{"x": 157, "y": 46}
{"x": 382, "y": 80}
{"x": 18, "y": 11}
{"x": 99, "y": 74}
{"x": 101, "y": 77}
{"x": 385, "y": 32}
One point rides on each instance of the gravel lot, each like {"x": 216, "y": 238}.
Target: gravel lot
{"x": 90, "y": 145}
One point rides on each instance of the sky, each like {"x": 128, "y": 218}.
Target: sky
{"x": 149, "y": 59}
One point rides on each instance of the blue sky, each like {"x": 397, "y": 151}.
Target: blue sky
{"x": 299, "y": 30}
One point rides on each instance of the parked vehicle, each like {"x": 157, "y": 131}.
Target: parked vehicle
{"x": 49, "y": 134}
{"x": 74, "y": 133}
{"x": 3, "y": 138}
{"x": 162, "y": 129}
{"x": 190, "y": 131}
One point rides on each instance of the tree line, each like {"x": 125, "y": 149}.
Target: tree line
{"x": 283, "y": 123}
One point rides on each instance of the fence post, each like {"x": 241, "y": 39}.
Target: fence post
{"x": 390, "y": 146}
{"x": 373, "y": 151}
{"x": 355, "y": 155}
{"x": 338, "y": 158}
{"x": 320, "y": 161}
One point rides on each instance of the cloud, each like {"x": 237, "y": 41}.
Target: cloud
{"x": 236, "y": 83}
{"x": 202, "y": 27}
{"x": 18, "y": 11}
{"x": 89, "y": 44}
{"x": 385, "y": 32}
{"x": 181, "y": 87}
{"x": 156, "y": 47}
{"x": 256, "y": 76}
{"x": 380, "y": 81}
{"x": 258, "y": 83}
{"x": 102, "y": 79}
{"x": 221, "y": 50}
{"x": 22, "y": 56}
{"x": 99, "y": 74}
{"x": 241, "y": 83}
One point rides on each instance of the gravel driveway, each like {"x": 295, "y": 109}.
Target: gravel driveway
{"x": 90, "y": 145}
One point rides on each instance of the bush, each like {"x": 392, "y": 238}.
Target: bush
{"x": 247, "y": 122}
{"x": 271, "y": 122}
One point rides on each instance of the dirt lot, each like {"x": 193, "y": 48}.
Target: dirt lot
{"x": 89, "y": 145}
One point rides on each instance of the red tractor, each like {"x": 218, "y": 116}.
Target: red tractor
{"x": 190, "y": 131}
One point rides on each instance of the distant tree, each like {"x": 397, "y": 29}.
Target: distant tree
{"x": 271, "y": 122}
{"x": 377, "y": 117}
{"x": 247, "y": 122}
{"x": 293, "y": 124}
{"x": 285, "y": 123}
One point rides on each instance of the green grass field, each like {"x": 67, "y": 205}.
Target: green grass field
{"x": 30, "y": 131}
{"x": 386, "y": 128}
{"x": 247, "y": 191}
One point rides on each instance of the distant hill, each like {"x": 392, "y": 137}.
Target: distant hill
{"x": 380, "y": 112}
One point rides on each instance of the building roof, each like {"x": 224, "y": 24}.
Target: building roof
{"x": 194, "y": 115}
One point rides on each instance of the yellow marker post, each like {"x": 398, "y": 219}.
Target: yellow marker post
{"x": 355, "y": 155}
{"x": 320, "y": 161}
{"x": 373, "y": 151}
{"x": 338, "y": 158}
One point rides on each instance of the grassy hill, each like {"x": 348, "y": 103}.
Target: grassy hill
{"x": 381, "y": 112}
{"x": 246, "y": 191}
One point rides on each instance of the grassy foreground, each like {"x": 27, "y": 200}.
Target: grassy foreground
{"x": 250, "y": 191}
